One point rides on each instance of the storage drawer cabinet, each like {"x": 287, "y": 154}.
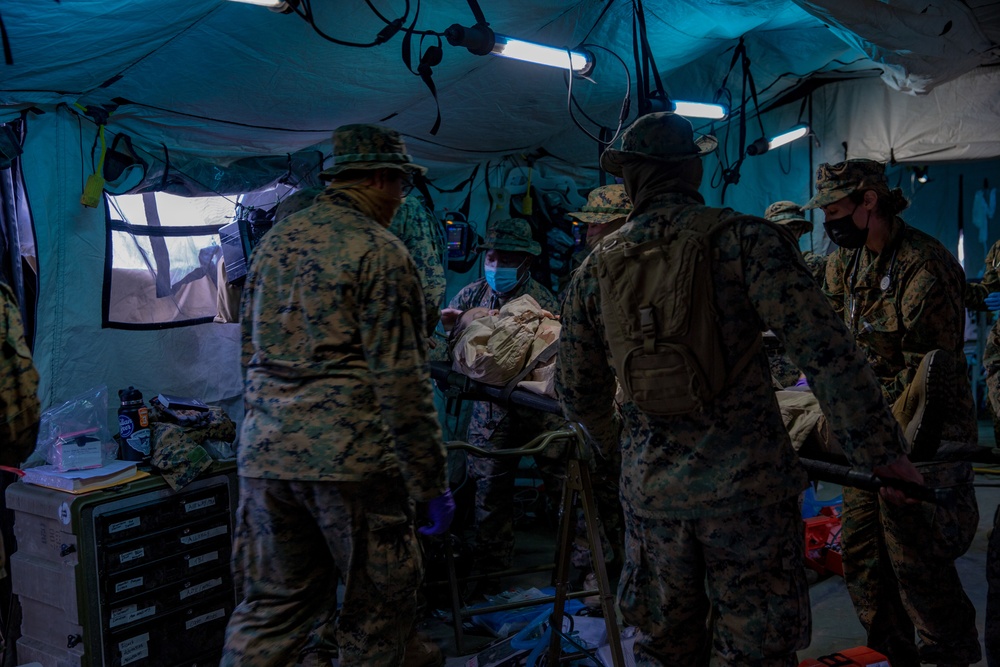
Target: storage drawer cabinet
{"x": 137, "y": 575}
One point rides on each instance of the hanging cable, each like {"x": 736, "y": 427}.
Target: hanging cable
{"x": 626, "y": 101}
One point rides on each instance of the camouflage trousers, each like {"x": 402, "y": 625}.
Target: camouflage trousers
{"x": 291, "y": 539}
{"x": 746, "y": 566}
{"x": 992, "y": 629}
{"x": 899, "y": 563}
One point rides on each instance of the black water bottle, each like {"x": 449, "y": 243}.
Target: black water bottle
{"x": 133, "y": 425}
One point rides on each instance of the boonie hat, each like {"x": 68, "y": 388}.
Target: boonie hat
{"x": 787, "y": 213}
{"x": 177, "y": 455}
{"x": 511, "y": 235}
{"x": 836, "y": 181}
{"x": 363, "y": 146}
{"x": 604, "y": 204}
{"x": 662, "y": 137}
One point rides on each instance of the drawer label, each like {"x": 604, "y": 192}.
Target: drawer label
{"x": 199, "y": 505}
{"x": 204, "y": 535}
{"x": 124, "y": 615}
{"x": 200, "y": 588}
{"x": 135, "y": 582}
{"x": 134, "y": 649}
{"x": 119, "y": 526}
{"x": 195, "y": 561}
{"x": 204, "y": 618}
{"x": 135, "y": 554}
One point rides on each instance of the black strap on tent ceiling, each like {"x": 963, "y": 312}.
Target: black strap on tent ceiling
{"x": 731, "y": 175}
{"x": 8, "y": 56}
{"x": 429, "y": 59}
{"x": 645, "y": 65}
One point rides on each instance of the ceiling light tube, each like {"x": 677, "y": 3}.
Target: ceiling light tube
{"x": 283, "y": 6}
{"x": 762, "y": 145}
{"x": 700, "y": 110}
{"x": 481, "y": 40}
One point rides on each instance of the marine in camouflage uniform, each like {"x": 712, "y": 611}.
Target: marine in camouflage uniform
{"x": 975, "y": 299}
{"x": 492, "y": 426}
{"x": 991, "y": 631}
{"x": 340, "y": 435}
{"x": 788, "y": 214}
{"x": 416, "y": 227}
{"x": 20, "y": 408}
{"x": 901, "y": 294}
{"x": 976, "y": 293}
{"x": 713, "y": 493}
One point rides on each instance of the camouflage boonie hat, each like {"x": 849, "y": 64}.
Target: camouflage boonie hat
{"x": 787, "y": 213}
{"x": 661, "y": 137}
{"x": 511, "y": 235}
{"x": 836, "y": 181}
{"x": 177, "y": 455}
{"x": 604, "y": 204}
{"x": 368, "y": 147}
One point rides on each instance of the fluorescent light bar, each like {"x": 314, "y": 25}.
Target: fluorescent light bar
{"x": 796, "y": 132}
{"x": 273, "y": 4}
{"x": 700, "y": 110}
{"x": 518, "y": 49}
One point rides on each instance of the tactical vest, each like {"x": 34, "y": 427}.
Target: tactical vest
{"x": 660, "y": 318}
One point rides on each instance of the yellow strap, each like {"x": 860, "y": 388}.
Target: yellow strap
{"x": 100, "y": 133}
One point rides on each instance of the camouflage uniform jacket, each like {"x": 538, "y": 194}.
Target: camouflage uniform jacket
{"x": 337, "y": 386}
{"x": 975, "y": 293}
{"x": 735, "y": 454}
{"x": 422, "y": 235}
{"x": 922, "y": 310}
{"x": 816, "y": 264}
{"x": 489, "y": 418}
{"x": 20, "y": 408}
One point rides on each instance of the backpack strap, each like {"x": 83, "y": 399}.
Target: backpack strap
{"x": 543, "y": 356}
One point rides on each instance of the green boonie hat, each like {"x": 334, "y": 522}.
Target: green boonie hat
{"x": 511, "y": 235}
{"x": 177, "y": 456}
{"x": 660, "y": 137}
{"x": 787, "y": 213}
{"x": 836, "y": 181}
{"x": 604, "y": 204}
{"x": 364, "y": 146}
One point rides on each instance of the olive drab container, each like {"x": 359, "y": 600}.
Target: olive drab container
{"x": 133, "y": 425}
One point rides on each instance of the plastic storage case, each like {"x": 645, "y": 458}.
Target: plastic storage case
{"x": 134, "y": 575}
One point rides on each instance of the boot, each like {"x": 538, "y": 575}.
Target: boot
{"x": 421, "y": 651}
{"x": 920, "y": 409}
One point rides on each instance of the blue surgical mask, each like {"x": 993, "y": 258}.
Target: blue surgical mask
{"x": 502, "y": 279}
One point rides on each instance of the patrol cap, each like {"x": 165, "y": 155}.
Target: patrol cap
{"x": 511, "y": 235}
{"x": 605, "y": 204}
{"x": 836, "y": 181}
{"x": 787, "y": 213}
{"x": 368, "y": 147}
{"x": 661, "y": 137}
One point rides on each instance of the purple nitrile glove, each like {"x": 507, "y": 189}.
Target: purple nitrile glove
{"x": 992, "y": 300}
{"x": 440, "y": 512}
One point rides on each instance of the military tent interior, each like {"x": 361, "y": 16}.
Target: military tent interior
{"x": 219, "y": 108}
{"x": 234, "y": 103}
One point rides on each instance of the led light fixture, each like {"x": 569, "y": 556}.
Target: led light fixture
{"x": 921, "y": 174}
{"x": 762, "y": 145}
{"x": 480, "y": 40}
{"x": 687, "y": 109}
{"x": 283, "y": 6}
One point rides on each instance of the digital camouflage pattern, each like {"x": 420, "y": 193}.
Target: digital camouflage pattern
{"x": 20, "y": 408}
{"x": 423, "y": 236}
{"x": 788, "y": 213}
{"x": 364, "y": 146}
{"x": 337, "y": 386}
{"x": 493, "y": 427}
{"x": 338, "y": 400}
{"x": 992, "y": 629}
{"x": 367, "y": 534}
{"x": 511, "y": 235}
{"x": 605, "y": 204}
{"x": 659, "y": 137}
{"x": 756, "y": 558}
{"x": 922, "y": 310}
{"x": 836, "y": 181}
{"x": 671, "y": 469}
{"x": 976, "y": 293}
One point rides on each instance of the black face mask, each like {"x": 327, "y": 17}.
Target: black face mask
{"x": 844, "y": 232}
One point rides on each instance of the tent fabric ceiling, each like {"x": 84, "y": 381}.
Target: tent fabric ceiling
{"x": 222, "y": 81}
